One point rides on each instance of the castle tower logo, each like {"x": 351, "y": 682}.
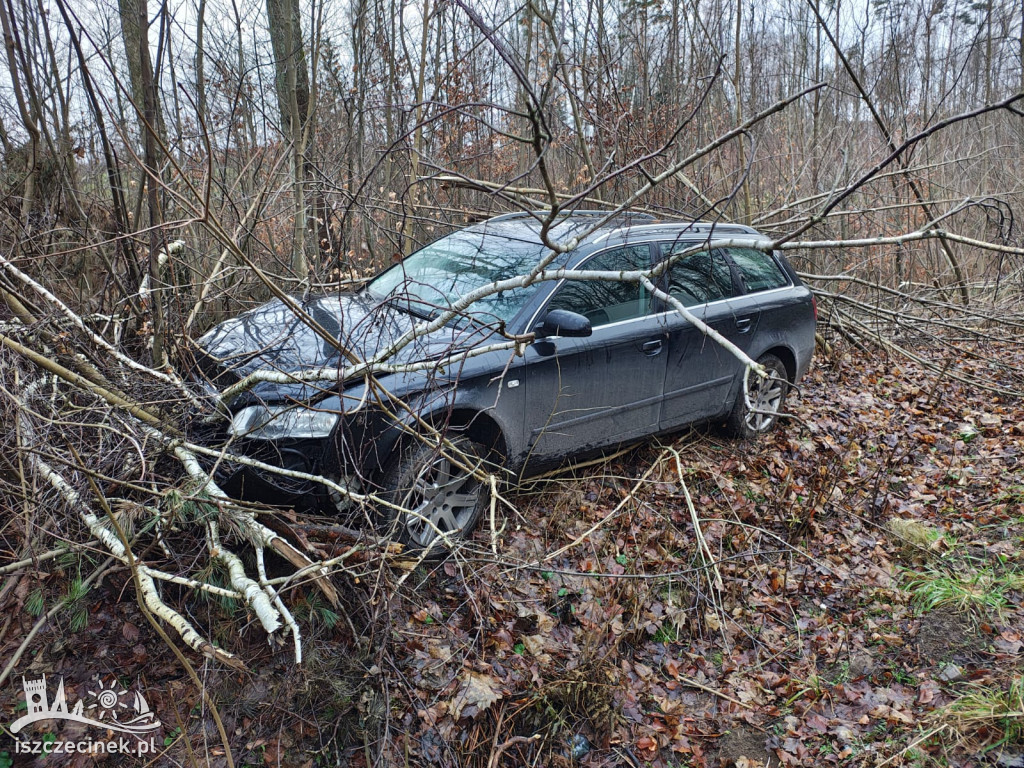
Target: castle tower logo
{"x": 35, "y": 695}
{"x": 111, "y": 707}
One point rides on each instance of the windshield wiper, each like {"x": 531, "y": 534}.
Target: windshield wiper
{"x": 406, "y": 305}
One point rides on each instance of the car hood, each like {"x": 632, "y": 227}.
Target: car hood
{"x": 274, "y": 337}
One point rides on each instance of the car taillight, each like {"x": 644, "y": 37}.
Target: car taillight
{"x": 814, "y": 306}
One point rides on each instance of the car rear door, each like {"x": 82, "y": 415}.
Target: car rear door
{"x": 586, "y": 393}
{"x": 700, "y": 373}
{"x": 769, "y": 295}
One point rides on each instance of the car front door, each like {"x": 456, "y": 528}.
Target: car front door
{"x": 700, "y": 372}
{"x": 586, "y": 393}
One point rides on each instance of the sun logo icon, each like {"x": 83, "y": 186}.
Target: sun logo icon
{"x": 108, "y": 701}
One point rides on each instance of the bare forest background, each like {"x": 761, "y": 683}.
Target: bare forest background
{"x": 322, "y": 140}
{"x": 167, "y": 165}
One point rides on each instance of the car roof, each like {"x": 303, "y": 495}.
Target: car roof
{"x": 620, "y": 226}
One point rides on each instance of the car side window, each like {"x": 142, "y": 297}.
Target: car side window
{"x": 606, "y": 301}
{"x": 700, "y": 277}
{"x": 759, "y": 270}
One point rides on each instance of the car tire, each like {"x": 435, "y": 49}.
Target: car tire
{"x": 441, "y": 495}
{"x": 767, "y": 396}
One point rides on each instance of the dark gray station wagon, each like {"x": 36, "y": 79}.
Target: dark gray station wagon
{"x": 598, "y": 363}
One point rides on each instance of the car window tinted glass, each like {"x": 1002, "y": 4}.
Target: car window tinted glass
{"x": 606, "y": 301}
{"x": 759, "y": 270}
{"x": 435, "y": 277}
{"x": 700, "y": 277}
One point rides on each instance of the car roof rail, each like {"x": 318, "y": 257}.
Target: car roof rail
{"x": 682, "y": 228}
{"x": 571, "y": 213}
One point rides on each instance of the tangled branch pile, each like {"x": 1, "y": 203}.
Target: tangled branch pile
{"x": 99, "y": 458}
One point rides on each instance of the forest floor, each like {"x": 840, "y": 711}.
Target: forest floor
{"x": 858, "y": 602}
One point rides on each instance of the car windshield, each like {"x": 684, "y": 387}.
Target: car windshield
{"x": 435, "y": 277}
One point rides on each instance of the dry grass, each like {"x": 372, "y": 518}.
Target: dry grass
{"x": 987, "y": 718}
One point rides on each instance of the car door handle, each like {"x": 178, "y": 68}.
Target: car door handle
{"x": 651, "y": 348}
{"x": 743, "y": 324}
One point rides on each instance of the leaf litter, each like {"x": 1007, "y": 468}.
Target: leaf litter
{"x": 610, "y": 630}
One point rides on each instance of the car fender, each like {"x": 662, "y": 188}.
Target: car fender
{"x": 467, "y": 407}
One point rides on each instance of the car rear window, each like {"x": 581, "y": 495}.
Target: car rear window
{"x": 700, "y": 277}
{"x": 759, "y": 270}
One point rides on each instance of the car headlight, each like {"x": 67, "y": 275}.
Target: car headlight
{"x": 278, "y": 422}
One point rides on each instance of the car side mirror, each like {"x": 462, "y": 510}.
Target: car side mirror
{"x": 562, "y": 322}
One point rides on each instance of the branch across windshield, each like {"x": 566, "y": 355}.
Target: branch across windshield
{"x": 435, "y": 277}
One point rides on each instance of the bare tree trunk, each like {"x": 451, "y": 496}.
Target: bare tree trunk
{"x": 408, "y": 239}
{"x": 550, "y": 21}
{"x": 135, "y": 34}
{"x": 152, "y": 169}
{"x": 292, "y": 86}
{"x": 65, "y": 148}
{"x": 357, "y": 141}
{"x": 737, "y": 82}
{"x": 29, "y": 117}
{"x": 124, "y": 245}
{"x": 200, "y": 60}
{"x": 5, "y": 138}
{"x": 989, "y": 63}
{"x": 816, "y": 109}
